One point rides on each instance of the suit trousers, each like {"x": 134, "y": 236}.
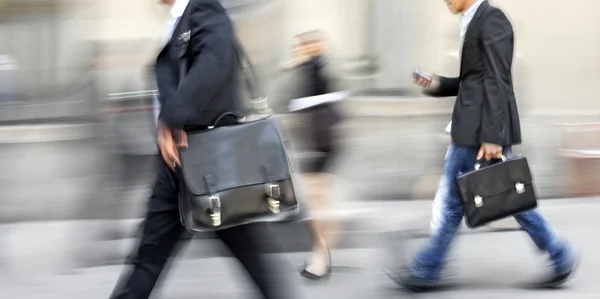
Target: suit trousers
{"x": 162, "y": 232}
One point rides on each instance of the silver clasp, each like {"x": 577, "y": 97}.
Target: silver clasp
{"x": 273, "y": 192}
{"x": 520, "y": 187}
{"x": 273, "y": 205}
{"x": 478, "y": 201}
{"x": 214, "y": 206}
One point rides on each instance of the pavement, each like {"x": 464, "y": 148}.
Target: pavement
{"x": 356, "y": 275}
{"x": 486, "y": 263}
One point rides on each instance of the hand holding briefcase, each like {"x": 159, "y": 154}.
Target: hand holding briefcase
{"x": 496, "y": 191}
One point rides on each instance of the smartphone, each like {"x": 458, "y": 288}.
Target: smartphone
{"x": 418, "y": 74}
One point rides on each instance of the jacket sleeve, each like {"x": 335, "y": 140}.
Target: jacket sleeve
{"x": 213, "y": 52}
{"x": 497, "y": 44}
{"x": 448, "y": 88}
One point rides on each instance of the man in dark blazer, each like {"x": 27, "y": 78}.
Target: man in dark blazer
{"x": 193, "y": 102}
{"x": 485, "y": 123}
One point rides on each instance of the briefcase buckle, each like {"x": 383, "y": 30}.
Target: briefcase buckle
{"x": 520, "y": 187}
{"x": 273, "y": 205}
{"x": 214, "y": 207}
{"x": 478, "y": 201}
{"x": 272, "y": 190}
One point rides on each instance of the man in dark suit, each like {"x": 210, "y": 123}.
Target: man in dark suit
{"x": 207, "y": 91}
{"x": 485, "y": 123}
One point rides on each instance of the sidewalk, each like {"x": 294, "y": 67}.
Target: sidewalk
{"x": 218, "y": 278}
{"x": 48, "y": 248}
{"x": 356, "y": 275}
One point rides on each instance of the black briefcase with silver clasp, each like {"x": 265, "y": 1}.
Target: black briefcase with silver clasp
{"x": 494, "y": 191}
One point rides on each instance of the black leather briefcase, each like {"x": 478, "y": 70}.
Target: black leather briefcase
{"x": 235, "y": 175}
{"x": 497, "y": 190}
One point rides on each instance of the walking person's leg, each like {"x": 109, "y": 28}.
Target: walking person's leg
{"x": 330, "y": 226}
{"x": 429, "y": 262}
{"x": 319, "y": 263}
{"x": 270, "y": 273}
{"x": 320, "y": 185}
{"x": 561, "y": 253}
{"x": 160, "y": 236}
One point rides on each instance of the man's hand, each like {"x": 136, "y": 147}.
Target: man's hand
{"x": 169, "y": 141}
{"x": 489, "y": 151}
{"x": 424, "y": 83}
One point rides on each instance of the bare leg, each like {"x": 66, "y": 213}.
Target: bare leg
{"x": 320, "y": 190}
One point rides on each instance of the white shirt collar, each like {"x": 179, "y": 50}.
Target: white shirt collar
{"x": 470, "y": 13}
{"x": 178, "y": 8}
{"x": 468, "y": 16}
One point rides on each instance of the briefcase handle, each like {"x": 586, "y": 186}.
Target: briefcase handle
{"x": 232, "y": 114}
{"x": 482, "y": 161}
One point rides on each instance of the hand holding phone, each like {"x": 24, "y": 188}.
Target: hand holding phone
{"x": 423, "y": 79}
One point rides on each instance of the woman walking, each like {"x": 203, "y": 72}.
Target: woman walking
{"x": 310, "y": 64}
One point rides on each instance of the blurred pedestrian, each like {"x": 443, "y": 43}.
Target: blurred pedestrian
{"x": 193, "y": 103}
{"x": 485, "y": 124}
{"x": 311, "y": 65}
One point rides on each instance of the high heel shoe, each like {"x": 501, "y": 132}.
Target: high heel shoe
{"x": 312, "y": 276}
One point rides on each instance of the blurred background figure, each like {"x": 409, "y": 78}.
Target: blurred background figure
{"x": 313, "y": 79}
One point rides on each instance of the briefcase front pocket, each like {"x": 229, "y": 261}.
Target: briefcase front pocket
{"x": 496, "y": 192}
{"x": 236, "y": 175}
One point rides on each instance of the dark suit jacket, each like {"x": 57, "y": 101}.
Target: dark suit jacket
{"x": 210, "y": 87}
{"x": 485, "y": 110}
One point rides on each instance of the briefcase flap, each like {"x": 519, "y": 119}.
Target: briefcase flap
{"x": 496, "y": 179}
{"x": 234, "y": 156}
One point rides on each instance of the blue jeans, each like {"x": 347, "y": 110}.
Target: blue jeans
{"x": 448, "y": 214}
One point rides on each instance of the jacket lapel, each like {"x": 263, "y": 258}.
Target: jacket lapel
{"x": 173, "y": 37}
{"x": 471, "y": 30}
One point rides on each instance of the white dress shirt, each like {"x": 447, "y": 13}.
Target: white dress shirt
{"x": 176, "y": 12}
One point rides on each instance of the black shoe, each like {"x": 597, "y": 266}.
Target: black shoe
{"x": 414, "y": 283}
{"x": 556, "y": 280}
{"x": 551, "y": 281}
{"x": 418, "y": 284}
{"x": 309, "y": 275}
